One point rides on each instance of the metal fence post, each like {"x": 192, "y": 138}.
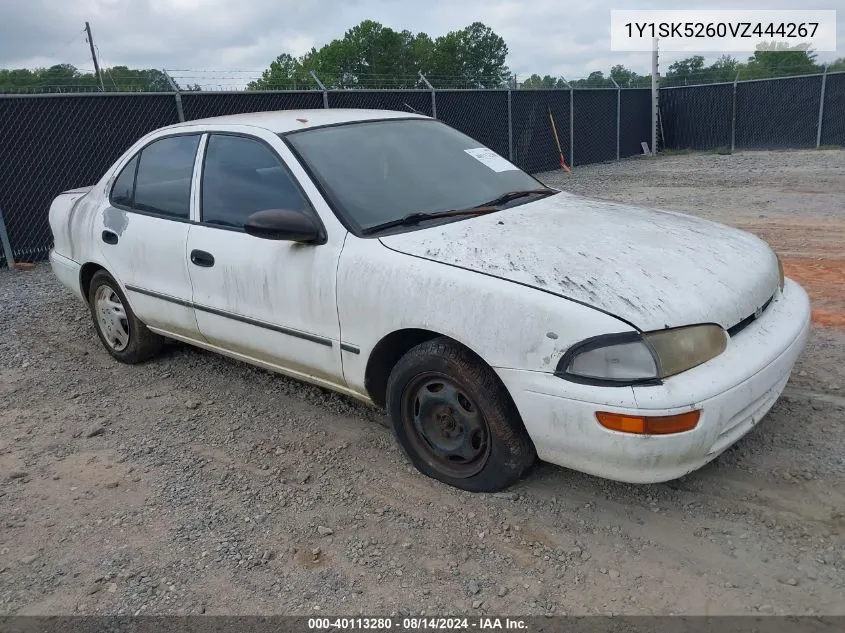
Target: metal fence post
{"x": 655, "y": 95}
{"x": 571, "y": 127}
{"x": 7, "y": 245}
{"x": 433, "y": 97}
{"x": 571, "y": 121}
{"x": 618, "y": 115}
{"x": 175, "y": 87}
{"x": 733, "y": 115}
{"x": 510, "y": 127}
{"x": 323, "y": 88}
{"x": 821, "y": 107}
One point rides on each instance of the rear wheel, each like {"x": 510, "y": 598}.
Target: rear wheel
{"x": 455, "y": 420}
{"x": 120, "y": 331}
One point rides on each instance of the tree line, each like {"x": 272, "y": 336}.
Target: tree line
{"x": 777, "y": 61}
{"x": 67, "y": 78}
{"x": 371, "y": 55}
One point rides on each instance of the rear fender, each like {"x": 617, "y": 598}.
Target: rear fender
{"x": 63, "y": 215}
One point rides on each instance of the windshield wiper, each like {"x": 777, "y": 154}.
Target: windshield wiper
{"x": 481, "y": 209}
{"x": 416, "y": 218}
{"x": 513, "y": 195}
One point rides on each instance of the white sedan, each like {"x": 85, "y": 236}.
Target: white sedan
{"x": 387, "y": 256}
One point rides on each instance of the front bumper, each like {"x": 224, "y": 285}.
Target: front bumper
{"x": 733, "y": 391}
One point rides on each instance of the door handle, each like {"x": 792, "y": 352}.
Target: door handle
{"x": 110, "y": 237}
{"x": 201, "y": 258}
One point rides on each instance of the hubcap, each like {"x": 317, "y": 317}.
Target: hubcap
{"x": 111, "y": 318}
{"x": 446, "y": 426}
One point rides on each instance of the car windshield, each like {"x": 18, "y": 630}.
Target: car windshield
{"x": 380, "y": 171}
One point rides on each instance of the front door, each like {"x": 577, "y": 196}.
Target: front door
{"x": 272, "y": 301}
{"x": 144, "y": 231}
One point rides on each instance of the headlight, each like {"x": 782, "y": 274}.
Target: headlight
{"x": 633, "y": 358}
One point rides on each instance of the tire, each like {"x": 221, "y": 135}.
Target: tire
{"x": 455, "y": 420}
{"x": 126, "y": 339}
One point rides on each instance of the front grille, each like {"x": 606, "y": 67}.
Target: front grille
{"x": 739, "y": 327}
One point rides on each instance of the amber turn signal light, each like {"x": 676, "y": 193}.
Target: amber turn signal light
{"x": 649, "y": 425}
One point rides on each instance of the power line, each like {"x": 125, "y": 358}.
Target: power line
{"x": 64, "y": 46}
{"x": 107, "y": 70}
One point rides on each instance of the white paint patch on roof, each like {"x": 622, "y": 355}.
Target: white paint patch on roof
{"x": 279, "y": 121}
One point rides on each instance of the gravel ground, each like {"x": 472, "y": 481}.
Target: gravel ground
{"x": 196, "y": 484}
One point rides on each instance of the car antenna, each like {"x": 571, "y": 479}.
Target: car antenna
{"x": 411, "y": 109}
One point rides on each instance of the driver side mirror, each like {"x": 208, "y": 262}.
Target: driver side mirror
{"x": 284, "y": 224}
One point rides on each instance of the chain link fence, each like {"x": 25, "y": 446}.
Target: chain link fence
{"x": 697, "y": 117}
{"x": 481, "y": 114}
{"x": 533, "y": 142}
{"x": 55, "y": 142}
{"x": 833, "y": 117}
{"x": 201, "y": 105}
{"x": 595, "y": 126}
{"x": 635, "y": 121}
{"x": 408, "y": 100}
{"x": 783, "y": 113}
{"x": 52, "y": 143}
{"x": 773, "y": 113}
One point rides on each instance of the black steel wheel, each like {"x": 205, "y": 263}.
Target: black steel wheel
{"x": 443, "y": 422}
{"x": 455, "y": 420}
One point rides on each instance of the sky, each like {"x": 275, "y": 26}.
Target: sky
{"x": 232, "y": 41}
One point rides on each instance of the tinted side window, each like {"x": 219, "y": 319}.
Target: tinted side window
{"x": 124, "y": 184}
{"x": 163, "y": 184}
{"x": 242, "y": 176}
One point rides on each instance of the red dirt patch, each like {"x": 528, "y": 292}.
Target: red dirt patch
{"x": 824, "y": 281}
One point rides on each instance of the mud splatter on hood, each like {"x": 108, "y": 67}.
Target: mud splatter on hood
{"x": 654, "y": 269}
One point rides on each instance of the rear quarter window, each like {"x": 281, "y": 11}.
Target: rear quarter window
{"x": 124, "y": 185}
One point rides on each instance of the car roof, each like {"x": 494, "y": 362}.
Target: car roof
{"x": 279, "y": 121}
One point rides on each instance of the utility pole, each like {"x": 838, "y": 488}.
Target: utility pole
{"x": 94, "y": 57}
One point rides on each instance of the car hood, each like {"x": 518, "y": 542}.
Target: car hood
{"x": 652, "y": 268}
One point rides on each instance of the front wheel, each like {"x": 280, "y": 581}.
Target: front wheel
{"x": 120, "y": 331}
{"x": 455, "y": 420}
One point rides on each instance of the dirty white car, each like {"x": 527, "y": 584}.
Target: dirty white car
{"x": 387, "y": 256}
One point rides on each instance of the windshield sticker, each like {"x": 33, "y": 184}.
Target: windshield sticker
{"x": 491, "y": 159}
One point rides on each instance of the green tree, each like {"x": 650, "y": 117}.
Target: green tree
{"x": 422, "y": 48}
{"x": 837, "y": 65}
{"x": 58, "y": 78}
{"x": 67, "y": 78}
{"x": 596, "y": 79}
{"x": 547, "y": 81}
{"x": 124, "y": 79}
{"x": 284, "y": 73}
{"x": 685, "y": 71}
{"x": 725, "y": 68}
{"x": 15, "y": 79}
{"x": 623, "y": 76}
{"x": 481, "y": 55}
{"x": 780, "y": 60}
{"x": 371, "y": 55}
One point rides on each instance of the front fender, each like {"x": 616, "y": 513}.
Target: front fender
{"x": 509, "y": 325}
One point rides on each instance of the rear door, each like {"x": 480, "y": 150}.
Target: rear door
{"x": 144, "y": 231}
